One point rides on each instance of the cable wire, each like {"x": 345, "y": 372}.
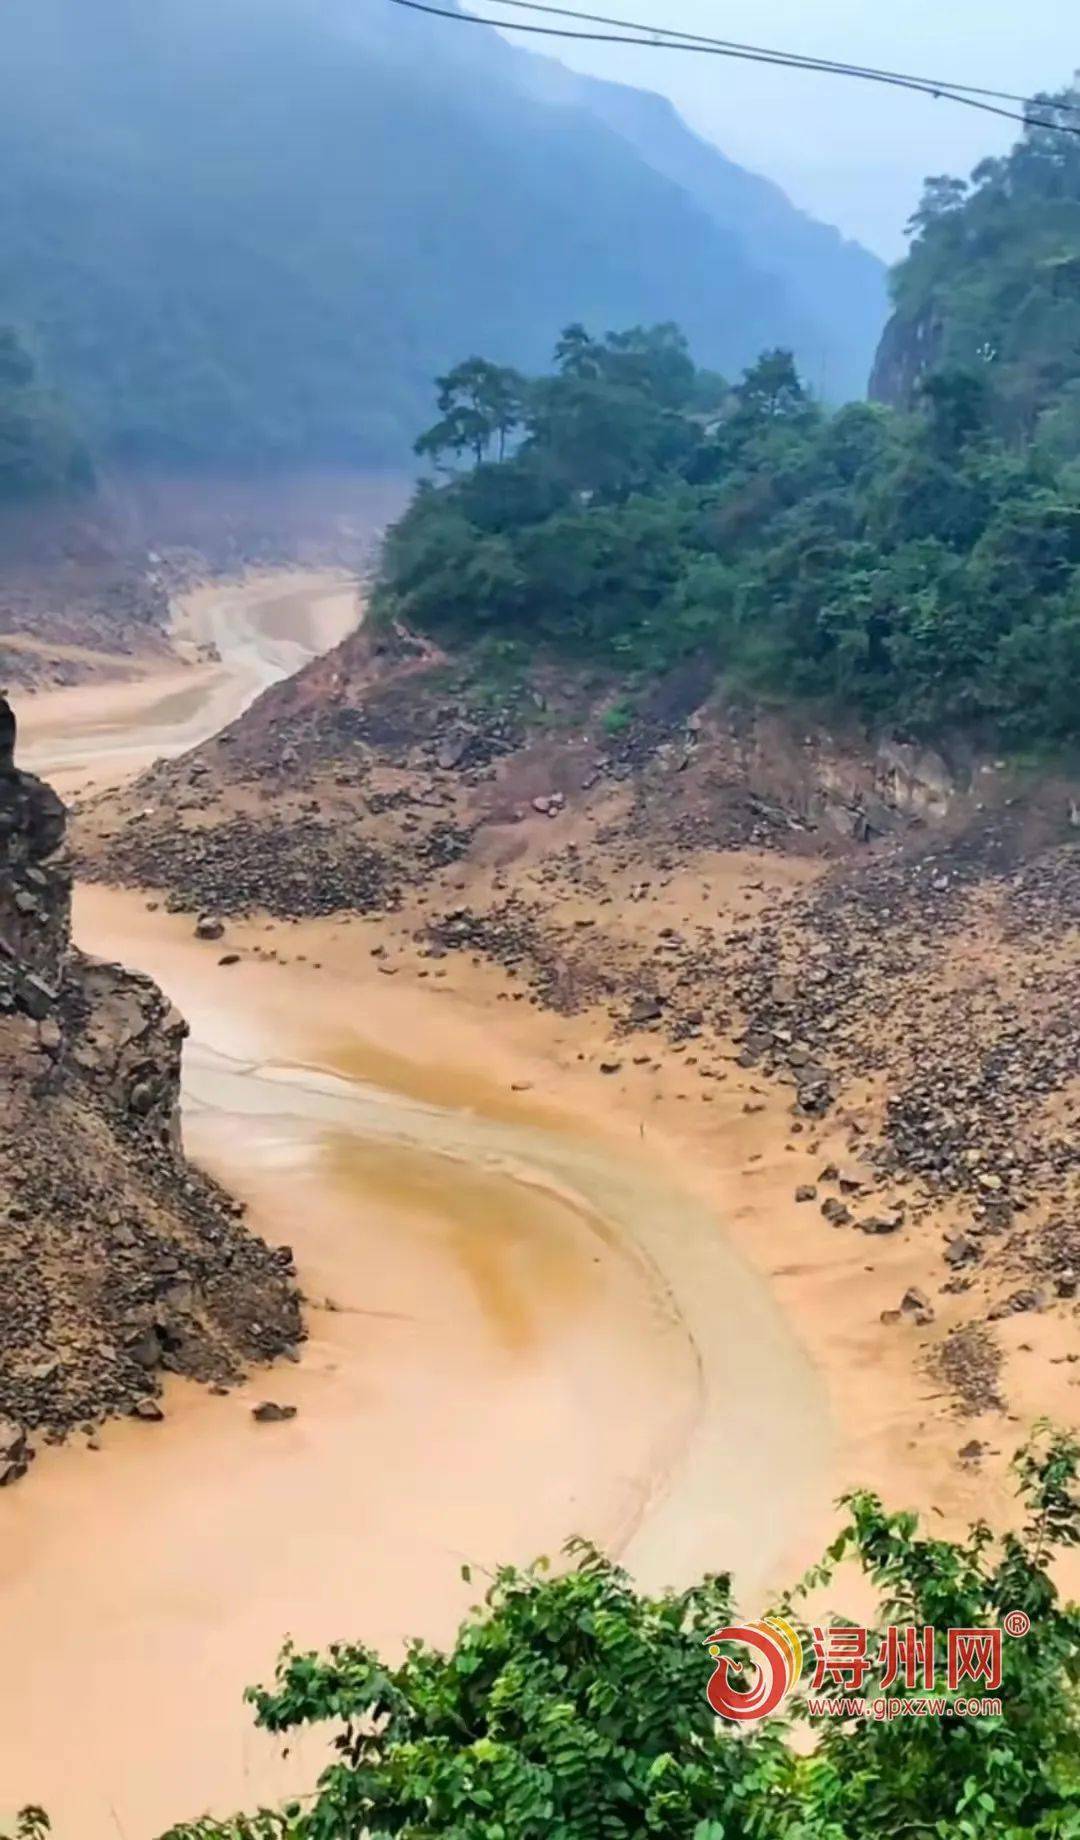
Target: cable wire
{"x": 799, "y": 59}
{"x": 665, "y": 38}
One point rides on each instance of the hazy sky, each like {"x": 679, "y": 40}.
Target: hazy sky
{"x": 852, "y": 153}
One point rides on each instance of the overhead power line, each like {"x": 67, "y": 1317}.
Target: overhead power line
{"x": 668, "y": 38}
{"x": 708, "y": 41}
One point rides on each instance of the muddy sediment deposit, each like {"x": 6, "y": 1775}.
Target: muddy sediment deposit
{"x": 885, "y": 938}
{"x": 118, "y": 1261}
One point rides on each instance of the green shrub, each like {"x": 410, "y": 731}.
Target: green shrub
{"x": 572, "y": 1707}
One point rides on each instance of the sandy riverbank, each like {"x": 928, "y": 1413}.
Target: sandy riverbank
{"x": 261, "y": 629}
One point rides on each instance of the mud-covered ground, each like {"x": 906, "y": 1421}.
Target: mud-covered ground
{"x": 883, "y": 939}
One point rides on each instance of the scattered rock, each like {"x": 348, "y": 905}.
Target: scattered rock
{"x": 881, "y": 1223}
{"x": 269, "y": 1413}
{"x": 33, "y": 995}
{"x": 15, "y": 1452}
{"x": 1017, "y": 1304}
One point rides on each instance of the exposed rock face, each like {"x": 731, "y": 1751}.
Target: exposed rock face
{"x": 909, "y": 349}
{"x": 117, "y": 1259}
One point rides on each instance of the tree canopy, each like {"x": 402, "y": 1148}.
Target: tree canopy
{"x": 918, "y": 568}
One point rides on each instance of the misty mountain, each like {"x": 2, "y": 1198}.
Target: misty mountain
{"x": 837, "y": 288}
{"x": 250, "y": 232}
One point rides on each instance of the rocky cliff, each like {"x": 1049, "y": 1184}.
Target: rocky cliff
{"x": 909, "y": 349}
{"x": 117, "y": 1259}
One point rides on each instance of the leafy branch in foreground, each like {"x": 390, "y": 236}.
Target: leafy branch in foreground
{"x": 573, "y": 1708}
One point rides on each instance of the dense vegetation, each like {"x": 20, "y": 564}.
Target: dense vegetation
{"x": 246, "y": 233}
{"x": 40, "y": 455}
{"x": 573, "y": 1708}
{"x": 992, "y": 282}
{"x": 915, "y": 568}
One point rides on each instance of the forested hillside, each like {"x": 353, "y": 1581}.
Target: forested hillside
{"x": 992, "y": 282}
{"x": 912, "y": 568}
{"x": 249, "y": 232}
{"x": 40, "y": 454}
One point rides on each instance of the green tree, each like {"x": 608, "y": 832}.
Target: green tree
{"x": 577, "y": 354}
{"x": 992, "y": 278}
{"x": 771, "y": 388}
{"x": 941, "y": 194}
{"x": 919, "y": 569}
{"x": 984, "y": 1778}
{"x": 957, "y": 407}
{"x": 479, "y": 404}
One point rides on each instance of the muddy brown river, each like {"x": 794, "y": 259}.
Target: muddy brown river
{"x": 523, "y": 1324}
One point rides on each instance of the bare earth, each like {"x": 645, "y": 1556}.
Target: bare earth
{"x": 543, "y": 1299}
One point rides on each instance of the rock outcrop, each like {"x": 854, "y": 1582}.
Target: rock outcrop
{"x": 117, "y": 1259}
{"x": 910, "y": 347}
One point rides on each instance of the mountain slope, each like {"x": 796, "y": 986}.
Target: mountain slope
{"x": 251, "y": 232}
{"x": 837, "y": 287}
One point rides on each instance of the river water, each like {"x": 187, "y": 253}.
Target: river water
{"x": 522, "y": 1326}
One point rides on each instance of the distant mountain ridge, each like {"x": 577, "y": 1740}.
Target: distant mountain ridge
{"x": 838, "y": 290}
{"x": 247, "y": 233}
